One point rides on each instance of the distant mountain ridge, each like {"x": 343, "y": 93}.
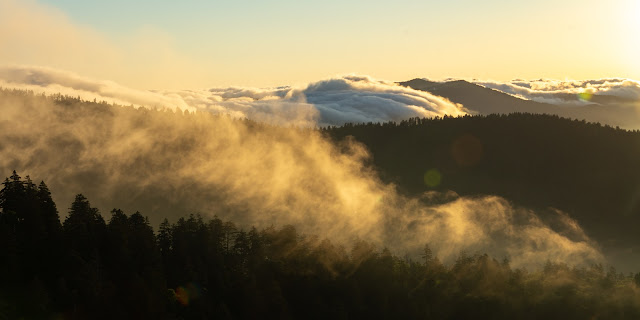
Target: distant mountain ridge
{"x": 477, "y": 99}
{"x": 480, "y": 99}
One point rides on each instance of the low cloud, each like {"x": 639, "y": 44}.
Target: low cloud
{"x": 492, "y": 225}
{"x": 333, "y": 101}
{"x": 568, "y": 91}
{"x": 34, "y": 33}
{"x": 53, "y": 81}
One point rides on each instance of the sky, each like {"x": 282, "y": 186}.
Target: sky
{"x": 197, "y": 44}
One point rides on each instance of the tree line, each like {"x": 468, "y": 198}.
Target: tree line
{"x": 92, "y": 267}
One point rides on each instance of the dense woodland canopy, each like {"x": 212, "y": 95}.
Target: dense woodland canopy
{"x": 586, "y": 169}
{"x": 116, "y": 267}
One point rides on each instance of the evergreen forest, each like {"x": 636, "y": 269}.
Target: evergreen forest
{"x": 540, "y": 161}
{"x": 91, "y": 266}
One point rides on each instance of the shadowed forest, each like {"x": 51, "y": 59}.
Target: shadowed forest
{"x": 543, "y": 162}
{"x": 92, "y": 267}
{"x": 317, "y": 249}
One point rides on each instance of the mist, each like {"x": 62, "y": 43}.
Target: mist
{"x": 168, "y": 163}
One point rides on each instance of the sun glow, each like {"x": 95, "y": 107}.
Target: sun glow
{"x": 625, "y": 34}
{"x": 632, "y": 25}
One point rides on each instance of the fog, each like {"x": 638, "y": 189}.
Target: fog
{"x": 169, "y": 164}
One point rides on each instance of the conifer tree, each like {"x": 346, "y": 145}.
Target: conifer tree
{"x": 84, "y": 228}
{"x": 49, "y": 212}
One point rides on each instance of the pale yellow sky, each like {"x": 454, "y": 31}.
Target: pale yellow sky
{"x": 199, "y": 45}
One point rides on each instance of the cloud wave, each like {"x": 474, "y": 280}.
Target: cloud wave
{"x": 332, "y": 101}
{"x": 569, "y": 91}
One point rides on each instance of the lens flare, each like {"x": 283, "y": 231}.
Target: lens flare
{"x": 585, "y": 96}
{"x": 185, "y": 294}
{"x": 432, "y": 178}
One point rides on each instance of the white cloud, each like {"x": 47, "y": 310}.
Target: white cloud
{"x": 333, "y": 101}
{"x": 566, "y": 92}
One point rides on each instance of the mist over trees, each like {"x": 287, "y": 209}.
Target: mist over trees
{"x": 94, "y": 267}
{"x": 168, "y": 162}
{"x": 543, "y": 162}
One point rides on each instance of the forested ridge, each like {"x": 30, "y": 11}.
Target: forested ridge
{"x": 588, "y": 170}
{"x": 117, "y": 267}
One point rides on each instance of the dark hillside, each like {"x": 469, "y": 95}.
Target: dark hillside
{"x": 616, "y": 111}
{"x": 585, "y": 169}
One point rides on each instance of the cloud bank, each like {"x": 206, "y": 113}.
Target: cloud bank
{"x": 333, "y": 101}
{"x": 577, "y": 92}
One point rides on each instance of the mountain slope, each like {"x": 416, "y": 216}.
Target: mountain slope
{"x": 606, "y": 109}
{"x": 539, "y": 161}
{"x": 480, "y": 99}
